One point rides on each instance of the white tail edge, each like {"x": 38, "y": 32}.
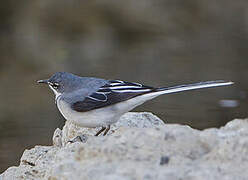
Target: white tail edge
{"x": 187, "y": 87}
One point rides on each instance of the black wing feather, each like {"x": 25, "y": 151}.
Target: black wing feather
{"x": 106, "y": 96}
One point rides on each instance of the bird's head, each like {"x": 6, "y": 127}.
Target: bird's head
{"x": 61, "y": 82}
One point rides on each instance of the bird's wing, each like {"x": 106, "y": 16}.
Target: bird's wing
{"x": 113, "y": 92}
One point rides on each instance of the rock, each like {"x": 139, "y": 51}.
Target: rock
{"x": 57, "y": 138}
{"x": 140, "y": 146}
{"x": 131, "y": 119}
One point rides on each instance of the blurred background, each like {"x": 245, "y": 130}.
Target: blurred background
{"x": 158, "y": 43}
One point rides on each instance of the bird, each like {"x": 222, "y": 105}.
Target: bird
{"x": 95, "y": 102}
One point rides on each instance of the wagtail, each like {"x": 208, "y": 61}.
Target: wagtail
{"x": 94, "y": 102}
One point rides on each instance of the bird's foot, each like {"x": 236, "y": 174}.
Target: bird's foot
{"x": 105, "y": 129}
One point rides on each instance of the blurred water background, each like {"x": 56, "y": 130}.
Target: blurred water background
{"x": 155, "y": 42}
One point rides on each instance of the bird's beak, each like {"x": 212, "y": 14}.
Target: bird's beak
{"x": 43, "y": 81}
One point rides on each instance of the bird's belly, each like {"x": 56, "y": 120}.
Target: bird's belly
{"x": 94, "y": 118}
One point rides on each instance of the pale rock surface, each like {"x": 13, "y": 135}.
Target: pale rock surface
{"x": 140, "y": 146}
{"x": 131, "y": 119}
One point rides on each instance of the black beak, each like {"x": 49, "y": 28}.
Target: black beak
{"x": 43, "y": 81}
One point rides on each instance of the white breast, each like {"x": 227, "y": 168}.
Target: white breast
{"x": 94, "y": 118}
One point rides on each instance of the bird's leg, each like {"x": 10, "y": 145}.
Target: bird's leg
{"x": 82, "y": 138}
{"x": 100, "y": 131}
{"x": 106, "y": 130}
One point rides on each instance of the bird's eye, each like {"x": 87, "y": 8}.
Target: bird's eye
{"x": 55, "y": 85}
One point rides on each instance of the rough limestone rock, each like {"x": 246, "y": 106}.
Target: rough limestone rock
{"x": 140, "y": 147}
{"x": 131, "y": 119}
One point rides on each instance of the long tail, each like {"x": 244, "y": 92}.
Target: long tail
{"x": 133, "y": 102}
{"x": 187, "y": 87}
